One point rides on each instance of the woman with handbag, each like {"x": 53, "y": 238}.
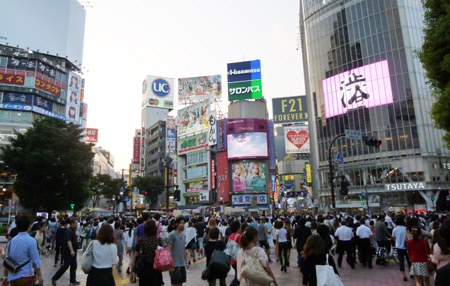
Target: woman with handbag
{"x": 235, "y": 227}
{"x": 104, "y": 253}
{"x": 418, "y": 250}
{"x": 249, "y": 249}
{"x": 146, "y": 247}
{"x": 212, "y": 244}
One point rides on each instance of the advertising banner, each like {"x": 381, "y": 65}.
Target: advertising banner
{"x": 170, "y": 135}
{"x": 43, "y": 103}
{"x": 192, "y": 143}
{"x": 136, "y": 149}
{"x": 193, "y": 118}
{"x": 11, "y": 79}
{"x": 212, "y": 128}
{"x": 367, "y": 86}
{"x": 213, "y": 174}
{"x": 195, "y": 186}
{"x": 91, "y": 135}
{"x": 73, "y": 98}
{"x": 83, "y": 110}
{"x": 247, "y": 138}
{"x": 247, "y": 199}
{"x": 242, "y": 125}
{"x": 271, "y": 145}
{"x": 244, "y": 90}
{"x": 204, "y": 196}
{"x": 244, "y": 80}
{"x": 248, "y": 175}
{"x": 221, "y": 135}
{"x": 18, "y": 98}
{"x": 48, "y": 85}
{"x": 297, "y": 139}
{"x": 31, "y": 108}
{"x": 289, "y": 109}
{"x": 223, "y": 183}
{"x": 308, "y": 173}
{"x": 158, "y": 92}
{"x": 199, "y": 88}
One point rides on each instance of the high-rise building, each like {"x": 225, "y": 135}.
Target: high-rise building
{"x": 363, "y": 76}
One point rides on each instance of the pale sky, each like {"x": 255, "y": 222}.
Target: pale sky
{"x": 127, "y": 40}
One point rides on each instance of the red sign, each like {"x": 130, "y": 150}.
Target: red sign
{"x": 45, "y": 84}
{"x": 91, "y": 135}
{"x": 136, "y": 149}
{"x": 222, "y": 176}
{"x": 213, "y": 175}
{"x": 12, "y": 79}
{"x": 175, "y": 173}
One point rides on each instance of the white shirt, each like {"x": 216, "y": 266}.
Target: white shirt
{"x": 281, "y": 233}
{"x": 344, "y": 233}
{"x": 389, "y": 221}
{"x": 128, "y": 239}
{"x": 363, "y": 232}
{"x": 105, "y": 255}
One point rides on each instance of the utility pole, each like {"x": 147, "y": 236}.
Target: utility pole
{"x": 330, "y": 164}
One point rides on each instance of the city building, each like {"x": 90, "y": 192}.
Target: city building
{"x": 103, "y": 162}
{"x": 155, "y": 149}
{"x": 362, "y": 75}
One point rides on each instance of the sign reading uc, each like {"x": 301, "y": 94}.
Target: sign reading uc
{"x": 161, "y": 88}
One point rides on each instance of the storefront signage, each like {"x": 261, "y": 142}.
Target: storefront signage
{"x": 247, "y": 199}
{"x": 192, "y": 143}
{"x": 213, "y": 175}
{"x": 46, "y": 85}
{"x": 308, "y": 173}
{"x": 289, "y": 178}
{"x": 271, "y": 145}
{"x": 12, "y": 79}
{"x": 221, "y": 135}
{"x": 136, "y": 149}
{"x": 406, "y": 186}
{"x": 204, "y": 196}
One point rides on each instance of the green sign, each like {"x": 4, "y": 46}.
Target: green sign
{"x": 244, "y": 90}
{"x": 193, "y": 142}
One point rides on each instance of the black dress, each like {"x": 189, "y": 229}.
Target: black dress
{"x": 210, "y": 246}
{"x": 148, "y": 246}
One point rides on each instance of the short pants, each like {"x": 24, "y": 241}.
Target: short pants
{"x": 264, "y": 244}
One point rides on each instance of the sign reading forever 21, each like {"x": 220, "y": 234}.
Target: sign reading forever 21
{"x": 406, "y": 186}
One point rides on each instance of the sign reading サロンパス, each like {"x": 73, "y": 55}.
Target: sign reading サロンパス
{"x": 289, "y": 109}
{"x": 244, "y": 80}
{"x": 296, "y": 140}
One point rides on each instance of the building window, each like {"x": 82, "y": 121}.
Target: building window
{"x": 197, "y": 158}
{"x": 197, "y": 172}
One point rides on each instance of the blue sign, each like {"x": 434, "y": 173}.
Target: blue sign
{"x": 290, "y": 186}
{"x": 32, "y": 108}
{"x": 273, "y": 183}
{"x": 244, "y": 71}
{"x": 126, "y": 199}
{"x": 43, "y": 103}
{"x": 161, "y": 88}
{"x": 363, "y": 194}
{"x": 340, "y": 159}
{"x": 18, "y": 98}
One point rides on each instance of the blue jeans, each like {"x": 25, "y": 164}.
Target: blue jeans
{"x": 402, "y": 253}
{"x": 235, "y": 281}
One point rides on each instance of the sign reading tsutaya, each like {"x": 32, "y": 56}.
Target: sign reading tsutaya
{"x": 406, "y": 186}
{"x": 296, "y": 140}
{"x": 289, "y": 109}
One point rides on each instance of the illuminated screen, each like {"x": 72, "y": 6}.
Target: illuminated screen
{"x": 368, "y": 86}
{"x": 247, "y": 145}
{"x": 248, "y": 175}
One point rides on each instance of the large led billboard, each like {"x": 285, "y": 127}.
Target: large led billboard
{"x": 247, "y": 139}
{"x": 367, "y": 86}
{"x": 199, "y": 88}
{"x": 158, "y": 92}
{"x": 248, "y": 175}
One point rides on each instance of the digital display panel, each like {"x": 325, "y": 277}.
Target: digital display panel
{"x": 367, "y": 86}
{"x": 248, "y": 175}
{"x": 250, "y": 145}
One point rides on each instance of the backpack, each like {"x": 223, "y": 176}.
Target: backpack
{"x": 94, "y": 233}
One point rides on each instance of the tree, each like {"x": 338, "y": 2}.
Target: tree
{"x": 435, "y": 57}
{"x": 105, "y": 185}
{"x": 153, "y": 185}
{"x": 52, "y": 165}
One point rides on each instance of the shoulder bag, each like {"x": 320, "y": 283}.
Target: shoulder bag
{"x": 232, "y": 248}
{"x": 326, "y": 276}
{"x": 88, "y": 258}
{"x": 10, "y": 264}
{"x": 430, "y": 265}
{"x": 139, "y": 264}
{"x": 253, "y": 270}
{"x": 220, "y": 261}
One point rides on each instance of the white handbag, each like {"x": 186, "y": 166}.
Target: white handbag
{"x": 326, "y": 276}
{"x": 88, "y": 258}
{"x": 232, "y": 248}
{"x": 253, "y": 270}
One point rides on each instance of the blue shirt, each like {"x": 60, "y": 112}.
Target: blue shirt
{"x": 254, "y": 224}
{"x": 399, "y": 234}
{"x": 269, "y": 226}
{"x": 22, "y": 248}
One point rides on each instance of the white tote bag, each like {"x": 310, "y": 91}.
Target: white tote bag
{"x": 326, "y": 276}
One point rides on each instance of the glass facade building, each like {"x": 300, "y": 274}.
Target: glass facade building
{"x": 363, "y": 75}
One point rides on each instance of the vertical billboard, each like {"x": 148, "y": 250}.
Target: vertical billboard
{"x": 296, "y": 139}
{"x": 199, "y": 88}
{"x": 248, "y": 175}
{"x": 158, "y": 92}
{"x": 367, "y": 86}
{"x": 73, "y": 98}
{"x": 244, "y": 80}
{"x": 193, "y": 118}
{"x": 136, "y": 149}
{"x": 271, "y": 145}
{"x": 170, "y": 135}
{"x": 212, "y": 128}
{"x": 289, "y": 109}
{"x": 92, "y": 135}
{"x": 221, "y": 134}
{"x": 223, "y": 183}
{"x": 83, "y": 110}
{"x": 247, "y": 139}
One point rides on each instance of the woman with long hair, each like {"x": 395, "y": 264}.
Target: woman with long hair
{"x": 191, "y": 242}
{"x": 418, "y": 249}
{"x": 441, "y": 245}
{"x": 314, "y": 254}
{"x": 118, "y": 233}
{"x": 275, "y": 228}
{"x": 248, "y": 248}
{"x": 147, "y": 245}
{"x": 214, "y": 243}
{"x": 104, "y": 257}
{"x": 128, "y": 238}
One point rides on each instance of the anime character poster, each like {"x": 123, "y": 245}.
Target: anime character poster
{"x": 193, "y": 118}
{"x": 248, "y": 175}
{"x": 199, "y": 88}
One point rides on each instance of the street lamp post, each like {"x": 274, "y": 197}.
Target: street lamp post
{"x": 223, "y": 207}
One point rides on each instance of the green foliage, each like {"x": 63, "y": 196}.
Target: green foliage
{"x": 435, "y": 57}
{"x": 52, "y": 165}
{"x": 104, "y": 184}
{"x": 152, "y": 184}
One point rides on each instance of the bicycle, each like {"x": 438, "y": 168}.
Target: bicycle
{"x": 382, "y": 255}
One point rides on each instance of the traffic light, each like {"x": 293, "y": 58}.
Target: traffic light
{"x": 432, "y": 198}
{"x": 145, "y": 193}
{"x": 344, "y": 188}
{"x": 372, "y": 141}
{"x": 276, "y": 176}
{"x": 362, "y": 202}
{"x": 177, "y": 195}
{"x": 72, "y": 206}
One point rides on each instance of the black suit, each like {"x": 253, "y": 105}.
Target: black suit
{"x": 301, "y": 234}
{"x": 442, "y": 276}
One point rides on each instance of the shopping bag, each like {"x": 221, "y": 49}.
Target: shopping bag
{"x": 163, "y": 260}
{"x": 326, "y": 276}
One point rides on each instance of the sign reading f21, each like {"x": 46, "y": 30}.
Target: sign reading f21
{"x": 289, "y": 109}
